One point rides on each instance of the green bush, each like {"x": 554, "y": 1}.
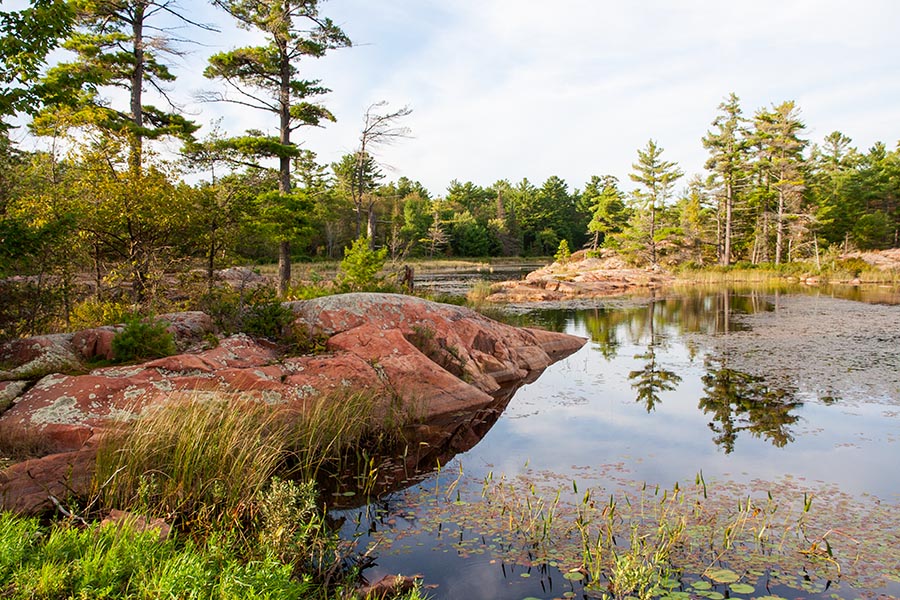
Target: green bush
{"x": 223, "y": 305}
{"x": 62, "y": 561}
{"x": 359, "y": 269}
{"x": 563, "y": 254}
{"x": 94, "y": 313}
{"x": 142, "y": 339}
{"x": 266, "y": 316}
{"x": 852, "y": 266}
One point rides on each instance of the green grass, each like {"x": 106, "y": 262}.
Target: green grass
{"x": 237, "y": 479}
{"x": 64, "y": 561}
{"x": 207, "y": 458}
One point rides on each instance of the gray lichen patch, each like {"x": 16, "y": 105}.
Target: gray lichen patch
{"x": 9, "y": 393}
{"x": 64, "y": 410}
{"x": 50, "y": 381}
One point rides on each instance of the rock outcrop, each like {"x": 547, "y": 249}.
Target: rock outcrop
{"x": 444, "y": 363}
{"x": 579, "y": 278}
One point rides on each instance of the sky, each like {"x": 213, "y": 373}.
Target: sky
{"x": 506, "y": 89}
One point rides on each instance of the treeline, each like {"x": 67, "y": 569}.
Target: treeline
{"x": 100, "y": 200}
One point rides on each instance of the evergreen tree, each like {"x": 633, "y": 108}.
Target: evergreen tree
{"x": 267, "y": 78}
{"x": 114, "y": 48}
{"x": 656, "y": 178}
{"x": 838, "y": 203}
{"x": 728, "y": 163}
{"x": 778, "y": 135}
{"x": 606, "y": 205}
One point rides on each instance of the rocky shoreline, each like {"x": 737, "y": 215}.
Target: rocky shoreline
{"x": 448, "y": 366}
{"x": 579, "y": 277}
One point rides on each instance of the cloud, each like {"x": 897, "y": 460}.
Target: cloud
{"x": 517, "y": 88}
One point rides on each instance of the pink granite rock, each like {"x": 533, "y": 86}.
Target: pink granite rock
{"x": 445, "y": 364}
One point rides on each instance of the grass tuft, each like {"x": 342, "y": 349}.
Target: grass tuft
{"x": 204, "y": 459}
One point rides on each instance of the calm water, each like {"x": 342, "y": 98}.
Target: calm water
{"x": 643, "y": 401}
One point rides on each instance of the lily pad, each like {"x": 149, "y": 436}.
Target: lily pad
{"x": 742, "y": 588}
{"x": 723, "y": 575}
{"x": 574, "y": 576}
{"x": 701, "y": 585}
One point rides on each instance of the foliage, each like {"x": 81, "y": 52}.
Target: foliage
{"x": 29, "y": 307}
{"x": 265, "y": 316}
{"x": 141, "y": 339}
{"x": 655, "y": 177}
{"x": 110, "y": 561}
{"x": 116, "y": 45}
{"x": 26, "y": 38}
{"x": 563, "y": 254}
{"x": 95, "y": 313}
{"x": 361, "y": 265}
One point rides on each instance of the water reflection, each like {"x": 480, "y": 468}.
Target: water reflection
{"x": 696, "y": 311}
{"x": 653, "y": 398}
{"x": 652, "y": 379}
{"x": 739, "y": 402}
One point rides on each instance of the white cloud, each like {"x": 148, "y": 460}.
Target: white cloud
{"x": 516, "y": 88}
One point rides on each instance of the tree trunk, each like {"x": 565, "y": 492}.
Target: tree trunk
{"x": 729, "y": 209}
{"x": 779, "y": 228}
{"x": 210, "y": 265}
{"x": 370, "y": 227}
{"x": 137, "y": 84}
{"x": 284, "y": 268}
{"x": 284, "y": 163}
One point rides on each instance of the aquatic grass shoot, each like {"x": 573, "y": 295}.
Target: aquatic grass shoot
{"x": 647, "y": 541}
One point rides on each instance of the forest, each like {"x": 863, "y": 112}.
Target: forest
{"x": 101, "y": 201}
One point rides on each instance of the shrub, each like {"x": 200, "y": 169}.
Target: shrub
{"x": 142, "y": 339}
{"x": 360, "y": 267}
{"x": 95, "y": 313}
{"x": 223, "y": 305}
{"x": 265, "y": 316}
{"x": 563, "y": 254}
{"x": 292, "y": 523}
{"x": 63, "y": 561}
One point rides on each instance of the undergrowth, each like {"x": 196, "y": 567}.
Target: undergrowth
{"x": 236, "y": 477}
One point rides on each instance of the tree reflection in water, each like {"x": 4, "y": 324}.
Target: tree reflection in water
{"x": 741, "y": 402}
{"x": 652, "y": 379}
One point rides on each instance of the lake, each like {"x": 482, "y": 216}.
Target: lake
{"x": 775, "y": 461}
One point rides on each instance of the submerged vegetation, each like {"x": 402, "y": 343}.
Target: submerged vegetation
{"x": 702, "y": 540}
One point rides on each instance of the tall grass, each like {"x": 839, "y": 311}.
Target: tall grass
{"x": 205, "y": 459}
{"x": 827, "y": 271}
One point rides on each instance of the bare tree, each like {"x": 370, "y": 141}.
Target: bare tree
{"x": 379, "y": 129}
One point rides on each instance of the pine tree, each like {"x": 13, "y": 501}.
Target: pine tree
{"x": 266, "y": 78}
{"x": 778, "y": 131}
{"x": 728, "y": 162}
{"x": 656, "y": 178}
{"x": 113, "y": 49}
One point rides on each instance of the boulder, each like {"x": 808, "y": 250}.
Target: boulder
{"x": 446, "y": 365}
